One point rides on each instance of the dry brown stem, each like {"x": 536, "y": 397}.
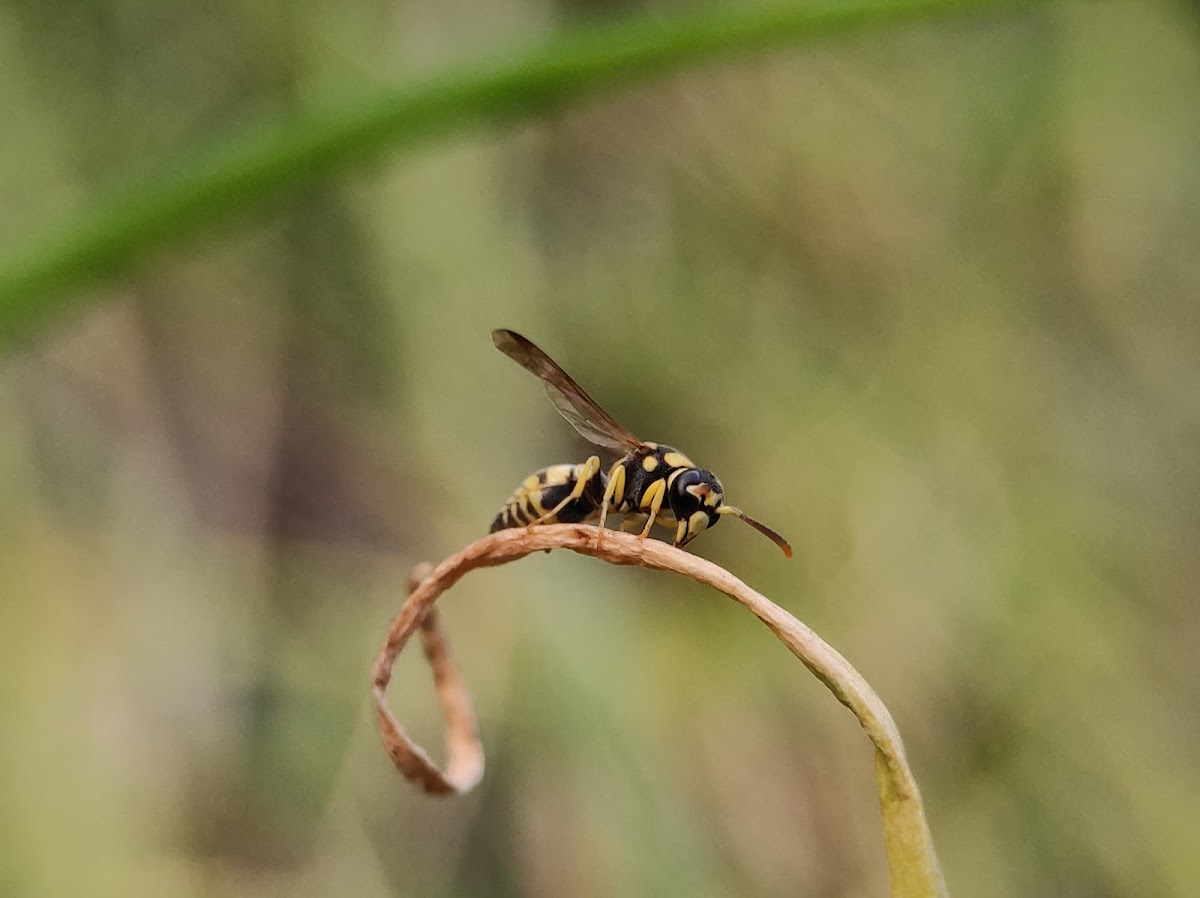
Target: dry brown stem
{"x": 911, "y": 856}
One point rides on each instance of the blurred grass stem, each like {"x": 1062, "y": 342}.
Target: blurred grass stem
{"x": 116, "y": 233}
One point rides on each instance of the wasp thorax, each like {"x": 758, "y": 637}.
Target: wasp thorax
{"x": 694, "y": 497}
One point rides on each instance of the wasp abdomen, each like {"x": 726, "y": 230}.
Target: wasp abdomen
{"x": 576, "y": 491}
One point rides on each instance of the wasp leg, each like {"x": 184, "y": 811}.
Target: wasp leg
{"x": 655, "y": 493}
{"x": 616, "y": 484}
{"x": 584, "y": 474}
{"x": 614, "y": 488}
{"x": 633, "y": 524}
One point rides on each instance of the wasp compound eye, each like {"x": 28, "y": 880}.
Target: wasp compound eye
{"x": 693, "y": 490}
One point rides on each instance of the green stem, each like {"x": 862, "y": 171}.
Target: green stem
{"x": 111, "y": 236}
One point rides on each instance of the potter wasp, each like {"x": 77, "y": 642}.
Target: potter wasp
{"x": 649, "y": 480}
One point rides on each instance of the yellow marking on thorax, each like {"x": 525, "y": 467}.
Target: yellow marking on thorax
{"x": 532, "y": 482}
{"x": 678, "y": 460}
{"x": 649, "y": 463}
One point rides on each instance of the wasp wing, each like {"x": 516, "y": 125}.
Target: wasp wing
{"x": 572, "y": 401}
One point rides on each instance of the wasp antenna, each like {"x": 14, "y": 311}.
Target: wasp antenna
{"x": 760, "y": 527}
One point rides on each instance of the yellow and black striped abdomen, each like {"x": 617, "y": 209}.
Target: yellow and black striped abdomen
{"x": 544, "y": 490}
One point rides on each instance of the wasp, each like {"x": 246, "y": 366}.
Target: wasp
{"x": 649, "y": 480}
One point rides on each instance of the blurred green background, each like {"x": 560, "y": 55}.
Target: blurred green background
{"x": 924, "y": 298}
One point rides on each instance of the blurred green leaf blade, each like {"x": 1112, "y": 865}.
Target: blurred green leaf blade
{"x": 116, "y": 233}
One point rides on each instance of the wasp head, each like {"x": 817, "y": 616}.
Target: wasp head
{"x": 694, "y": 496}
{"x": 697, "y": 500}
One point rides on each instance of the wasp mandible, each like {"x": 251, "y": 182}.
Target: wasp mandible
{"x": 648, "y": 480}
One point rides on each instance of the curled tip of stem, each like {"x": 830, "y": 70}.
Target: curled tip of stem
{"x": 911, "y": 857}
{"x": 464, "y": 751}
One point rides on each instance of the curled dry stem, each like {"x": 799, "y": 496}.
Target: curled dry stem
{"x": 911, "y": 857}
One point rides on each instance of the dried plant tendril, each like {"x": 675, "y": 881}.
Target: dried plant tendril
{"x": 911, "y": 856}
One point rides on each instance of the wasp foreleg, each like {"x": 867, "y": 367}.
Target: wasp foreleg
{"x": 655, "y": 494}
